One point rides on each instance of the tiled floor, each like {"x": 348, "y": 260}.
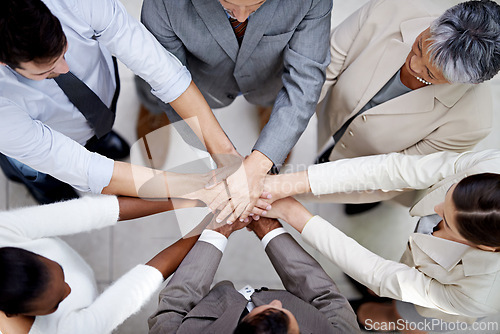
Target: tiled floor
{"x": 113, "y": 251}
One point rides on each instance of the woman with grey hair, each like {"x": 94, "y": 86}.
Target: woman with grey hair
{"x": 408, "y": 77}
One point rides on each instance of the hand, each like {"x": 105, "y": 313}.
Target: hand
{"x": 263, "y": 226}
{"x": 227, "y": 229}
{"x": 281, "y": 207}
{"x": 245, "y": 187}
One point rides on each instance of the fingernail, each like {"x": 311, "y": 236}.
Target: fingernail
{"x": 241, "y": 220}
{"x": 256, "y": 217}
{"x": 269, "y": 196}
{"x": 229, "y": 222}
{"x": 264, "y": 213}
{"x": 268, "y": 207}
{"x": 246, "y": 220}
{"x": 218, "y": 220}
{"x": 251, "y": 214}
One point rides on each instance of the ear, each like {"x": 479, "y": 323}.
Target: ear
{"x": 4, "y": 64}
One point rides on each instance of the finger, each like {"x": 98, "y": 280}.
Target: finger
{"x": 237, "y": 214}
{"x": 266, "y": 195}
{"x": 259, "y": 212}
{"x": 226, "y": 212}
{"x": 218, "y": 202}
{"x": 261, "y": 204}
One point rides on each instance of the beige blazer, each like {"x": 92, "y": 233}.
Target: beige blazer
{"x": 367, "y": 49}
{"x": 445, "y": 279}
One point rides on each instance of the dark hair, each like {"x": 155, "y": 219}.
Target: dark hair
{"x": 23, "y": 278}
{"x": 466, "y": 42}
{"x": 29, "y": 32}
{"x": 477, "y": 202}
{"x": 270, "y": 321}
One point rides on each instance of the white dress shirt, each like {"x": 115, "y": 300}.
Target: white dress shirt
{"x": 42, "y": 129}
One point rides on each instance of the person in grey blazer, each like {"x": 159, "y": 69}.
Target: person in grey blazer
{"x": 311, "y": 302}
{"x": 280, "y": 60}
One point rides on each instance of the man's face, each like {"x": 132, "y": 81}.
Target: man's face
{"x": 293, "y": 327}
{"x": 44, "y": 70}
{"x": 241, "y": 9}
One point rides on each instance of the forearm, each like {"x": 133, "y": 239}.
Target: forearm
{"x": 137, "y": 181}
{"x": 193, "y": 108}
{"x": 297, "y": 216}
{"x": 132, "y": 208}
{"x": 285, "y": 185}
{"x": 170, "y": 258}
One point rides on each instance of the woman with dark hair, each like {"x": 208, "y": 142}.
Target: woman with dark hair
{"x": 47, "y": 287}
{"x": 450, "y": 270}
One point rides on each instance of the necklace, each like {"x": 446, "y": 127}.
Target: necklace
{"x": 423, "y": 81}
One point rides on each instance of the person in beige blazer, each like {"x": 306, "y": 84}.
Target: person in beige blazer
{"x": 445, "y": 107}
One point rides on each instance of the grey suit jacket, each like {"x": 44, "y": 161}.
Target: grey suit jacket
{"x": 187, "y": 305}
{"x": 282, "y": 58}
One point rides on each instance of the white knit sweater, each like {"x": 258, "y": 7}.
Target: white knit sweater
{"x": 83, "y": 311}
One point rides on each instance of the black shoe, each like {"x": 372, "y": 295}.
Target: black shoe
{"x": 354, "y": 209}
{"x": 52, "y": 191}
{"x": 111, "y": 145}
{"x": 45, "y": 190}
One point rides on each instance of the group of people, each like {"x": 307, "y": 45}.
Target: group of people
{"x": 400, "y": 89}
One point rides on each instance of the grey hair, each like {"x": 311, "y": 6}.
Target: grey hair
{"x": 465, "y": 42}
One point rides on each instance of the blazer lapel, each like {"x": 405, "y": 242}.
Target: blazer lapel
{"x": 257, "y": 26}
{"x": 214, "y": 17}
{"x": 392, "y": 59}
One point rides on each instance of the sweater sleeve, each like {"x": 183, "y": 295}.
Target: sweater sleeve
{"x": 124, "y": 298}
{"x": 63, "y": 218}
{"x": 387, "y": 172}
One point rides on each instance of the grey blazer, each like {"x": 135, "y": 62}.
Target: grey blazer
{"x": 282, "y": 58}
{"x": 187, "y": 305}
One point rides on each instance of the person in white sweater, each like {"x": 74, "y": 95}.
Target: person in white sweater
{"x": 47, "y": 287}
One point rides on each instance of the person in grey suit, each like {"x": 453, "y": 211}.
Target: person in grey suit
{"x": 310, "y": 304}
{"x": 280, "y": 60}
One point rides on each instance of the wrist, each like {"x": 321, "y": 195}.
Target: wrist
{"x": 259, "y": 161}
{"x": 297, "y": 216}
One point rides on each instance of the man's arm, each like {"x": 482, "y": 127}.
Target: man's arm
{"x": 303, "y": 276}
{"x": 191, "y": 282}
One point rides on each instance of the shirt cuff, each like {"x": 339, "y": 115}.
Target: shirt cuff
{"x": 271, "y": 235}
{"x": 100, "y": 172}
{"x": 214, "y": 238}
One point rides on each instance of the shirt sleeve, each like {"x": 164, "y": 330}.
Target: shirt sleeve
{"x": 214, "y": 238}
{"x": 135, "y": 46}
{"x": 63, "y": 218}
{"x": 39, "y": 146}
{"x": 271, "y": 235}
{"x": 122, "y": 299}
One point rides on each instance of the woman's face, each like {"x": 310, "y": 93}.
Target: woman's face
{"x": 55, "y": 293}
{"x": 418, "y": 62}
{"x": 448, "y": 226}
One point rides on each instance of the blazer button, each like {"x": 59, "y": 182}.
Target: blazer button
{"x": 364, "y": 118}
{"x": 231, "y": 96}
{"x": 351, "y": 133}
{"x": 343, "y": 145}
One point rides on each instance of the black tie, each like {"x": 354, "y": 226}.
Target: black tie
{"x": 99, "y": 116}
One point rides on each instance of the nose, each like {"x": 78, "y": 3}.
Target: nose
{"x": 241, "y": 13}
{"x": 61, "y": 66}
{"x": 276, "y": 303}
